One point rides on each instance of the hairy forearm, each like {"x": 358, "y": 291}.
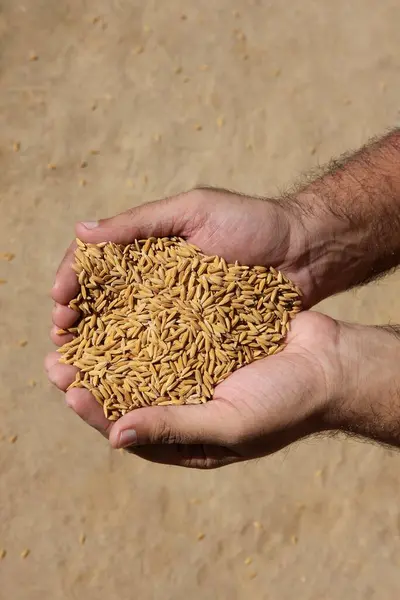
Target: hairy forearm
{"x": 351, "y": 218}
{"x": 366, "y": 396}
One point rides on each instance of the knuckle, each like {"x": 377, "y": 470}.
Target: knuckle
{"x": 207, "y": 464}
{"x": 163, "y": 433}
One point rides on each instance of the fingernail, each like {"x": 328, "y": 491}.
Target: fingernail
{"x": 90, "y": 224}
{"x": 127, "y": 437}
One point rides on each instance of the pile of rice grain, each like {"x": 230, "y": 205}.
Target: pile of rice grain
{"x": 161, "y": 323}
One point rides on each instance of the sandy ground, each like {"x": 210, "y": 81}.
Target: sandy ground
{"x": 132, "y": 79}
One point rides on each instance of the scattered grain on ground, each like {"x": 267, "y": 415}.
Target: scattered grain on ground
{"x": 252, "y": 575}
{"x": 7, "y": 256}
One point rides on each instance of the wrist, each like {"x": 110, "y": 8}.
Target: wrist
{"x": 327, "y": 248}
{"x": 365, "y": 397}
{"x": 317, "y": 247}
{"x": 350, "y": 217}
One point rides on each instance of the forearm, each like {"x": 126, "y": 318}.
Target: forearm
{"x": 366, "y": 395}
{"x": 351, "y": 219}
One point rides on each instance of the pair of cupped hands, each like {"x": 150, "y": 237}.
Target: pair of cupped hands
{"x": 262, "y": 407}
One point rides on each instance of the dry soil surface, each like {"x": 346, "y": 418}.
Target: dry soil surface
{"x": 294, "y": 85}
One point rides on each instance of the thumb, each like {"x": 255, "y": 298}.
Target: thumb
{"x": 171, "y": 216}
{"x": 212, "y": 423}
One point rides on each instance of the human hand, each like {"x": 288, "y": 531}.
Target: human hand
{"x": 266, "y": 405}
{"x": 257, "y": 410}
{"x": 331, "y": 376}
{"x": 253, "y": 231}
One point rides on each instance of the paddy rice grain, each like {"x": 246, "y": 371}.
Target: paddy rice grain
{"x": 163, "y": 324}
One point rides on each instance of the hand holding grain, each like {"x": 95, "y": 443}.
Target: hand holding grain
{"x": 160, "y": 323}
{"x": 340, "y": 230}
{"x": 257, "y": 409}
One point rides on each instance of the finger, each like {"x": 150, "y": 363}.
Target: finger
{"x": 85, "y": 406}
{"x": 60, "y": 375}
{"x": 63, "y": 316}
{"x": 66, "y": 284}
{"x": 193, "y": 457}
{"x": 52, "y": 358}
{"x": 161, "y": 218}
{"x": 59, "y": 339}
{"x": 212, "y": 423}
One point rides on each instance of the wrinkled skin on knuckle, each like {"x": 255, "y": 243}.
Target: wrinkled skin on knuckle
{"x": 163, "y": 433}
{"x": 206, "y": 464}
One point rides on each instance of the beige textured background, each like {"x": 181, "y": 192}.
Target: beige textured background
{"x": 295, "y": 84}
